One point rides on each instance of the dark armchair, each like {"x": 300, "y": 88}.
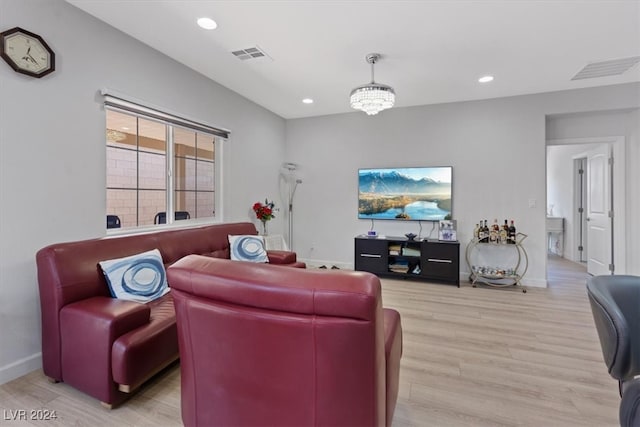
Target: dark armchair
{"x": 113, "y": 221}
{"x": 161, "y": 217}
{"x": 630, "y": 403}
{"x": 615, "y": 305}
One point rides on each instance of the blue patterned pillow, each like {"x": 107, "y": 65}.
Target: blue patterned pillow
{"x": 248, "y": 248}
{"x": 138, "y": 277}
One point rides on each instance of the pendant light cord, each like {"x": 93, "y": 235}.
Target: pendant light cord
{"x": 373, "y": 61}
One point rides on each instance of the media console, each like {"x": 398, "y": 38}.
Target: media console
{"x": 400, "y": 257}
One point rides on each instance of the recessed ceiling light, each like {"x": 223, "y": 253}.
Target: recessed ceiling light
{"x": 307, "y": 101}
{"x": 124, "y": 128}
{"x": 485, "y": 79}
{"x": 207, "y": 23}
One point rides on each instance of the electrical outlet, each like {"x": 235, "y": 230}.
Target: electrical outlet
{"x": 533, "y": 203}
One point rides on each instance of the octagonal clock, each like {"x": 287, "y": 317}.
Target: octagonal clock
{"x": 26, "y": 52}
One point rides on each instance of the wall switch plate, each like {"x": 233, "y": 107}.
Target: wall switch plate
{"x": 533, "y": 203}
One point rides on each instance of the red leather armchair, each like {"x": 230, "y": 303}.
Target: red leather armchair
{"x": 282, "y": 346}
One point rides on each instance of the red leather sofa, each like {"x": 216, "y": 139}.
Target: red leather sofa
{"x": 104, "y": 346}
{"x": 261, "y": 345}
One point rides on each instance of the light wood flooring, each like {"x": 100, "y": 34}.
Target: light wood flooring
{"x": 472, "y": 357}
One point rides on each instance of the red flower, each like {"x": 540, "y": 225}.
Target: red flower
{"x": 264, "y": 212}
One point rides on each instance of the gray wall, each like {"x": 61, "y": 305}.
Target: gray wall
{"x": 587, "y": 125}
{"x": 52, "y": 155}
{"x": 497, "y": 150}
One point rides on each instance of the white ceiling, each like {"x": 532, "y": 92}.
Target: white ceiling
{"x": 433, "y": 51}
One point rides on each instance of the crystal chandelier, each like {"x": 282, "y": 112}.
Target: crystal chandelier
{"x": 372, "y": 97}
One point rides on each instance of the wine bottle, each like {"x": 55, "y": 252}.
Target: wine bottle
{"x": 504, "y": 233}
{"x": 485, "y": 232}
{"x": 476, "y": 232}
{"x": 493, "y": 234}
{"x": 512, "y": 233}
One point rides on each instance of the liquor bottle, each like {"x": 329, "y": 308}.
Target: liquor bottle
{"x": 493, "y": 234}
{"x": 504, "y": 233}
{"x": 512, "y": 233}
{"x": 485, "y": 232}
{"x": 476, "y": 232}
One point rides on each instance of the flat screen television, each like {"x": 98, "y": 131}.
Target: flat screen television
{"x": 410, "y": 194}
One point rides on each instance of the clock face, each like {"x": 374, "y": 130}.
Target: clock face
{"x": 27, "y": 53}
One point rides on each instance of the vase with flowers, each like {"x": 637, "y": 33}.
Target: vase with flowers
{"x": 264, "y": 212}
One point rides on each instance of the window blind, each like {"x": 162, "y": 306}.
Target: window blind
{"x": 118, "y": 103}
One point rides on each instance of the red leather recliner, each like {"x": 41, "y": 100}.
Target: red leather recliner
{"x": 272, "y": 346}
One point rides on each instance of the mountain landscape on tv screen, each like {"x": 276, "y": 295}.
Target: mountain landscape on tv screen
{"x": 394, "y": 195}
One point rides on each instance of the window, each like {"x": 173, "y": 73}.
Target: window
{"x": 160, "y": 168}
{"x": 194, "y": 170}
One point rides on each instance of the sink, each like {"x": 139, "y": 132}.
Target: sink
{"x": 555, "y": 224}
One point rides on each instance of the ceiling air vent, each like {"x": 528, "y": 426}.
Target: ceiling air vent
{"x": 613, "y": 67}
{"x": 250, "y": 53}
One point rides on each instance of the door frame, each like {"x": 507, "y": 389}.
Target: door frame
{"x": 579, "y": 198}
{"x": 618, "y": 191}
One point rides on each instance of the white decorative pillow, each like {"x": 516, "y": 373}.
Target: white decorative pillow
{"x": 140, "y": 277}
{"x": 247, "y": 248}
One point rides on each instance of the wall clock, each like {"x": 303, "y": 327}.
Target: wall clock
{"x": 26, "y": 52}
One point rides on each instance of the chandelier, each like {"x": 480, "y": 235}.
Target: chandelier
{"x": 372, "y": 97}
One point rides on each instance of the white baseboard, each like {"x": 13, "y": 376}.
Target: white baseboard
{"x": 535, "y": 283}
{"x": 20, "y": 367}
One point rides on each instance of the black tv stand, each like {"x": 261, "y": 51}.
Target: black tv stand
{"x": 400, "y": 257}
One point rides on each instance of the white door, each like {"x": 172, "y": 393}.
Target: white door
{"x": 598, "y": 210}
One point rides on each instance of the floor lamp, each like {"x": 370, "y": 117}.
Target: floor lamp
{"x": 292, "y": 184}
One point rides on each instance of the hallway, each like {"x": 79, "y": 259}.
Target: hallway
{"x": 561, "y": 272}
